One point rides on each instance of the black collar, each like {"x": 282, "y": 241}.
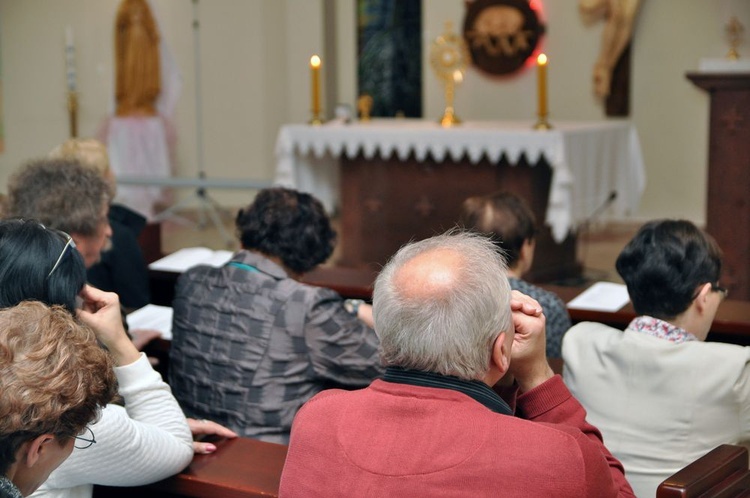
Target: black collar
{"x": 475, "y": 389}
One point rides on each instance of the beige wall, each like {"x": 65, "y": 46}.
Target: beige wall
{"x": 254, "y": 57}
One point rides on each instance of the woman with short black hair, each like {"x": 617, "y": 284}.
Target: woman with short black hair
{"x": 661, "y": 396}
{"x": 145, "y": 442}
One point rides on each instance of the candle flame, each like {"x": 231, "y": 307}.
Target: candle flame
{"x": 541, "y": 60}
{"x": 315, "y": 61}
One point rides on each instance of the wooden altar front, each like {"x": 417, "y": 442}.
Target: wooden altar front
{"x": 727, "y": 206}
{"x": 386, "y": 203}
{"x": 398, "y": 180}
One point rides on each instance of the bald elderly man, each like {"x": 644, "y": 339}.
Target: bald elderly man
{"x": 450, "y": 328}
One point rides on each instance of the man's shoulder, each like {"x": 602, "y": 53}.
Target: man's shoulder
{"x": 329, "y": 401}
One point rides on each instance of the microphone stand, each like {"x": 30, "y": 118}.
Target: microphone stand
{"x": 208, "y": 207}
{"x": 583, "y": 231}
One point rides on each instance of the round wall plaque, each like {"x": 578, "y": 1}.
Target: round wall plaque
{"x": 501, "y": 34}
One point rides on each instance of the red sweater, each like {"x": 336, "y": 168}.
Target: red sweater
{"x": 394, "y": 439}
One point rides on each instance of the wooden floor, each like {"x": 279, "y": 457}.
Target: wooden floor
{"x": 597, "y": 248}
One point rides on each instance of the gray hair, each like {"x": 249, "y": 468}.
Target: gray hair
{"x": 451, "y": 333}
{"x": 61, "y": 194}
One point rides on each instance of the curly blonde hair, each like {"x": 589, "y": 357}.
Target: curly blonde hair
{"x": 54, "y": 377}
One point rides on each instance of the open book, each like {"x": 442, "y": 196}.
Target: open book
{"x": 181, "y": 260}
{"x": 153, "y": 317}
{"x": 602, "y": 296}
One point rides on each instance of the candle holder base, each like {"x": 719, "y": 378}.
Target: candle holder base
{"x": 542, "y": 125}
{"x": 316, "y": 120}
{"x": 449, "y": 118}
{"x": 73, "y": 113}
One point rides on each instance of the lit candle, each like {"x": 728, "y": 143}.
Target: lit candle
{"x": 315, "y": 68}
{"x": 70, "y": 59}
{"x": 541, "y": 65}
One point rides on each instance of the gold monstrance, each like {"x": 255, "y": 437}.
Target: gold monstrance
{"x": 449, "y": 57}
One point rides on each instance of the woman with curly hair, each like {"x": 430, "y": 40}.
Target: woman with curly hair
{"x": 147, "y": 440}
{"x": 54, "y": 379}
{"x": 250, "y": 342}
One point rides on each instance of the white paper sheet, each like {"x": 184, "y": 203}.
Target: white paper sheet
{"x": 181, "y": 260}
{"x": 153, "y": 317}
{"x": 602, "y": 296}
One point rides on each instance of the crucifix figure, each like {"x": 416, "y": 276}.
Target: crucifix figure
{"x": 611, "y": 72}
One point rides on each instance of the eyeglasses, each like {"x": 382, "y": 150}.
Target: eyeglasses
{"x": 86, "y": 439}
{"x": 721, "y": 290}
{"x": 715, "y": 287}
{"x": 68, "y": 243}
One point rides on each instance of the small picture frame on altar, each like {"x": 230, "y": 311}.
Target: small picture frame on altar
{"x": 343, "y": 113}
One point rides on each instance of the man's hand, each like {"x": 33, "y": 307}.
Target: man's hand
{"x": 528, "y": 363}
{"x": 207, "y": 428}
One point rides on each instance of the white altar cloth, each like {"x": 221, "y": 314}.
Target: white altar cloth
{"x": 589, "y": 160}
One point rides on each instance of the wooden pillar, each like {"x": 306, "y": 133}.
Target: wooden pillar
{"x": 728, "y": 204}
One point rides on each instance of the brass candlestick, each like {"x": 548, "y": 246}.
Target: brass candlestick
{"x": 542, "y": 124}
{"x": 541, "y": 79}
{"x": 73, "y": 113}
{"x": 734, "y": 30}
{"x": 449, "y": 115}
{"x": 315, "y": 64}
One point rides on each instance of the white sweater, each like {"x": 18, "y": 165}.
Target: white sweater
{"x": 143, "y": 442}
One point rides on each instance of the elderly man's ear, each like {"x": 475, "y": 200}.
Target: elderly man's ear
{"x": 500, "y": 358}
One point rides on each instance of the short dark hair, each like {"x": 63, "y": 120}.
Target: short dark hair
{"x": 502, "y": 216}
{"x": 289, "y": 225}
{"x": 54, "y": 376}
{"x": 28, "y": 251}
{"x": 664, "y": 264}
{"x": 61, "y": 193}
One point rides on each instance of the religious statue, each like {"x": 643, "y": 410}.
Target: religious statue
{"x": 138, "y": 79}
{"x": 619, "y": 18}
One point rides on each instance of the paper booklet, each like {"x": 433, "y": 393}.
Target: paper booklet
{"x": 181, "y": 260}
{"x": 153, "y": 317}
{"x": 602, "y": 296}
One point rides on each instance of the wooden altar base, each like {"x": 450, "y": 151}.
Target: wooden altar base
{"x": 385, "y": 203}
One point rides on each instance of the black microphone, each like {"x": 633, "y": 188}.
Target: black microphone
{"x": 599, "y": 210}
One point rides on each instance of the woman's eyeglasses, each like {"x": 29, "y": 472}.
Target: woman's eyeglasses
{"x": 721, "y": 290}
{"x": 715, "y": 287}
{"x": 68, "y": 243}
{"x": 86, "y": 439}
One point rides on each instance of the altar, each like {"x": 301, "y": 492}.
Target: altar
{"x": 392, "y": 180}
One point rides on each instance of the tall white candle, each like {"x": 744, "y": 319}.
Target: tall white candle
{"x": 70, "y": 59}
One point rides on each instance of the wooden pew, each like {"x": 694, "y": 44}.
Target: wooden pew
{"x": 240, "y": 468}
{"x": 722, "y": 472}
{"x": 731, "y": 325}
